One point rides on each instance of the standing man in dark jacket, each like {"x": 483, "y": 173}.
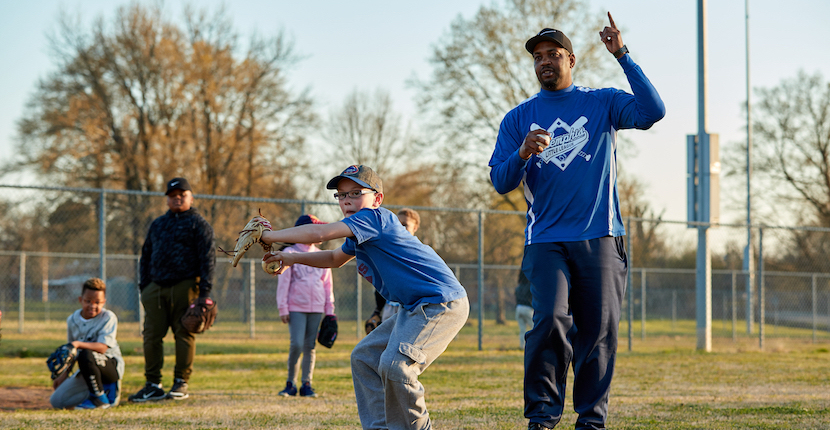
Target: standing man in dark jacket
{"x": 177, "y": 263}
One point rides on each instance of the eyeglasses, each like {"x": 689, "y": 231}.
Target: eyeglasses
{"x": 353, "y": 194}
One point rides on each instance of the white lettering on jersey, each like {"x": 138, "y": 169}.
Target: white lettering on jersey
{"x": 567, "y": 146}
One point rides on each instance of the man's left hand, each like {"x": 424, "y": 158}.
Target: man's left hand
{"x": 611, "y": 36}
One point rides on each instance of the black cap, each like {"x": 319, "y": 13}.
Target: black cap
{"x": 178, "y": 184}
{"x": 549, "y": 35}
{"x": 363, "y": 175}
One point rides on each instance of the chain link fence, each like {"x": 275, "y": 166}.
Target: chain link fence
{"x": 53, "y": 239}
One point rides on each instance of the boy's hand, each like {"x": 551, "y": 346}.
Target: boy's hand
{"x": 275, "y": 262}
{"x": 60, "y": 380}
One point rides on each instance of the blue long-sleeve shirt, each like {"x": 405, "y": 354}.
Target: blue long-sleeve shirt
{"x": 571, "y": 187}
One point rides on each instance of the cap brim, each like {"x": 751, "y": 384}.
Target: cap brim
{"x": 177, "y": 188}
{"x": 530, "y": 45}
{"x": 332, "y": 185}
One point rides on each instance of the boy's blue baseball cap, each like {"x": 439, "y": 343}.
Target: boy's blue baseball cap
{"x": 363, "y": 175}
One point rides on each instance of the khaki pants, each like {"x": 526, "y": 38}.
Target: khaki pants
{"x": 387, "y": 362}
{"x": 164, "y": 307}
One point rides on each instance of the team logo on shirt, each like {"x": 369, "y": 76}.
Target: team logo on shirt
{"x": 365, "y": 271}
{"x": 564, "y": 147}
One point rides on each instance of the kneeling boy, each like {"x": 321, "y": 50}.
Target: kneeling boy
{"x": 92, "y": 330}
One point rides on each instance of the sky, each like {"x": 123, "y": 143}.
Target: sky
{"x": 363, "y": 44}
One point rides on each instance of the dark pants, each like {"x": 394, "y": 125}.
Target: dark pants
{"x": 577, "y": 290}
{"x": 97, "y": 370}
{"x": 164, "y": 307}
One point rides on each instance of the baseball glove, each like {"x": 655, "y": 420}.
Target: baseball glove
{"x": 61, "y": 360}
{"x": 250, "y": 235}
{"x": 373, "y": 322}
{"x": 328, "y": 331}
{"x": 200, "y": 315}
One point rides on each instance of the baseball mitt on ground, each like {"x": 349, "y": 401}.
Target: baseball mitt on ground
{"x": 61, "y": 360}
{"x": 200, "y": 315}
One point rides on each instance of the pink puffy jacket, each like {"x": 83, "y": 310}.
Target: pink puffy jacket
{"x": 304, "y": 288}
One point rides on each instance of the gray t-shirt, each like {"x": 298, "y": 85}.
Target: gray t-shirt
{"x": 103, "y": 328}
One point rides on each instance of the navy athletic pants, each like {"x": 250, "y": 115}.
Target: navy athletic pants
{"x": 577, "y": 290}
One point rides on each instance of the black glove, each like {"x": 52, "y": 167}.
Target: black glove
{"x": 328, "y": 331}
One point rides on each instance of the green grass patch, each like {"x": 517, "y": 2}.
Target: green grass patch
{"x": 663, "y": 382}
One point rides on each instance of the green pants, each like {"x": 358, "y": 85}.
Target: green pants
{"x": 163, "y": 309}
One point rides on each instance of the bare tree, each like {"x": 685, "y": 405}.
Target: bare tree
{"x": 366, "y": 129}
{"x": 790, "y": 154}
{"x": 481, "y": 71}
{"x": 141, "y": 99}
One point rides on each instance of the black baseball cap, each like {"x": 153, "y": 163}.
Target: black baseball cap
{"x": 363, "y": 175}
{"x": 178, "y": 184}
{"x": 549, "y": 35}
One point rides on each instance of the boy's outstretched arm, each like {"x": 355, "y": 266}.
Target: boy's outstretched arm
{"x": 331, "y": 258}
{"x": 308, "y": 233}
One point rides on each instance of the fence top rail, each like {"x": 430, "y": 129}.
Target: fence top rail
{"x": 419, "y": 208}
{"x": 250, "y": 199}
{"x": 68, "y": 255}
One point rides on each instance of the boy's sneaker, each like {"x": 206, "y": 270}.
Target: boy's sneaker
{"x": 179, "y": 390}
{"x": 307, "y": 391}
{"x": 113, "y": 392}
{"x": 290, "y": 390}
{"x": 94, "y": 402}
{"x": 150, "y": 391}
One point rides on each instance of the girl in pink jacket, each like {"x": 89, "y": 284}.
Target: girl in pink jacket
{"x": 304, "y": 293}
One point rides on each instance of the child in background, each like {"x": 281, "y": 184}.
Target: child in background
{"x": 92, "y": 330}
{"x": 434, "y": 306}
{"x": 384, "y": 310}
{"x": 524, "y": 307}
{"x": 304, "y": 293}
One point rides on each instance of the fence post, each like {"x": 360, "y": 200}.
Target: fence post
{"x": 480, "y": 275}
{"x": 252, "y": 296}
{"x": 643, "y": 303}
{"x": 761, "y": 292}
{"x": 815, "y": 304}
{"x": 359, "y": 310}
{"x": 21, "y": 300}
{"x": 674, "y": 310}
{"x": 723, "y": 312}
{"x": 734, "y": 308}
{"x": 630, "y": 284}
{"x": 44, "y": 286}
{"x": 138, "y": 296}
{"x": 102, "y": 236}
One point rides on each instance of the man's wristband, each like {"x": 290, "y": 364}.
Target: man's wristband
{"x": 620, "y": 52}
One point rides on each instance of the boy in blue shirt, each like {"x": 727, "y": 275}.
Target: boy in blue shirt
{"x": 386, "y": 363}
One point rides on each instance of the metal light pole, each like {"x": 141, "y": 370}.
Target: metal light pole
{"x": 749, "y": 266}
{"x": 703, "y": 278}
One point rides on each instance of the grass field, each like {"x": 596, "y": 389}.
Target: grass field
{"x": 662, "y": 383}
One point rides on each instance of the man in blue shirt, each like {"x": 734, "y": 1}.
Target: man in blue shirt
{"x": 561, "y": 145}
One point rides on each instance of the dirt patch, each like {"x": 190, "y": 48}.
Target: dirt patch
{"x": 12, "y": 398}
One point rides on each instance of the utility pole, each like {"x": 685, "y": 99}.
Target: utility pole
{"x": 703, "y": 273}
